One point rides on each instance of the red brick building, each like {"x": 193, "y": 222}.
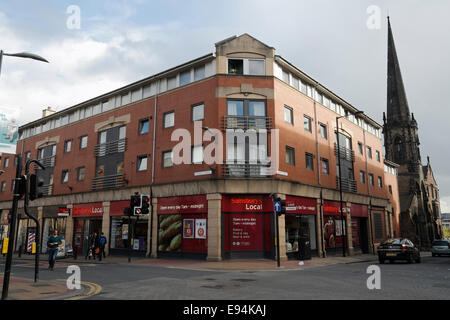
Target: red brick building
{"x": 99, "y": 152}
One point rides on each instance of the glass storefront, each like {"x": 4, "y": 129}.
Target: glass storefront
{"x": 120, "y": 233}
{"x": 297, "y": 227}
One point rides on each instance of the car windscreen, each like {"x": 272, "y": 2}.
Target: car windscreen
{"x": 393, "y": 241}
{"x": 440, "y": 243}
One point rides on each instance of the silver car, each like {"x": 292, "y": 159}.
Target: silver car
{"x": 440, "y": 247}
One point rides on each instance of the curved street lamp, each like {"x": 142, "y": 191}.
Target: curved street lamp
{"x": 20, "y": 55}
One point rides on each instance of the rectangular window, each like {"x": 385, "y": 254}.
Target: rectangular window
{"x": 122, "y": 133}
{"x": 371, "y": 179}
{"x": 362, "y": 177}
{"x": 256, "y": 67}
{"x": 290, "y": 156}
{"x": 169, "y": 119}
{"x": 67, "y": 146}
{"x": 285, "y": 76}
{"x": 309, "y": 161}
{"x": 390, "y": 189}
{"x": 3, "y": 186}
{"x": 369, "y": 152}
{"x": 197, "y": 155}
{"x": 97, "y": 109}
{"x": 171, "y": 82}
{"x": 378, "y": 225}
{"x": 377, "y": 153}
{"x": 325, "y": 166}
{"x": 198, "y": 112}
{"x": 80, "y": 173}
{"x": 135, "y": 95}
{"x": 323, "y": 131}
{"x": 6, "y": 164}
{"x": 185, "y": 77}
{"x": 83, "y": 142}
{"x": 167, "y": 159}
{"x": 27, "y": 155}
{"x": 235, "y": 66}
{"x": 360, "y": 148}
{"x": 65, "y": 176}
{"x": 142, "y": 163}
{"x": 295, "y": 83}
{"x": 235, "y": 108}
{"x": 288, "y": 117}
{"x": 380, "y": 182}
{"x": 125, "y": 99}
{"x": 143, "y": 126}
{"x": 199, "y": 73}
{"x": 307, "y": 123}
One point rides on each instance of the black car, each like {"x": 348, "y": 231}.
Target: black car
{"x": 398, "y": 249}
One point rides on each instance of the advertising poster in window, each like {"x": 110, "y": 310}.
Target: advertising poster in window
{"x": 200, "y": 228}
{"x": 246, "y": 232}
{"x": 188, "y": 228}
{"x": 170, "y": 232}
{"x": 124, "y": 232}
{"x": 329, "y": 232}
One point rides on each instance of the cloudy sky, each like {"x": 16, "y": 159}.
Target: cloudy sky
{"x": 119, "y": 42}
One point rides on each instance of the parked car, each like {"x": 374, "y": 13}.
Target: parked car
{"x": 398, "y": 249}
{"x": 440, "y": 247}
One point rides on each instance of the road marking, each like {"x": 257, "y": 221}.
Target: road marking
{"x": 94, "y": 289}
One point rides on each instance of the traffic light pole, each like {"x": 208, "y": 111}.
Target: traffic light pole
{"x": 35, "y": 219}
{"x": 278, "y": 239}
{"x": 12, "y": 229}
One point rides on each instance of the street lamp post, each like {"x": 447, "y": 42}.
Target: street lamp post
{"x": 340, "y": 184}
{"x": 20, "y": 55}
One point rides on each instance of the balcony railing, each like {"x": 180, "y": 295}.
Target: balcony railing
{"x": 48, "y": 162}
{"x": 348, "y": 185}
{"x": 246, "y": 122}
{"x": 46, "y": 190}
{"x": 104, "y": 149}
{"x": 246, "y": 170}
{"x": 344, "y": 153}
{"x": 108, "y": 182}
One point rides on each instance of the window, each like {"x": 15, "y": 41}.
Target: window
{"x": 65, "y": 176}
{"x": 12, "y": 184}
{"x": 325, "y": 166}
{"x": 256, "y": 67}
{"x": 377, "y": 153}
{"x": 235, "y": 66}
{"x": 309, "y": 161}
{"x": 198, "y": 112}
{"x": 295, "y": 83}
{"x": 169, "y": 119}
{"x": 80, "y": 173}
{"x": 288, "y": 117}
{"x": 120, "y": 168}
{"x": 27, "y": 155}
{"x": 67, "y": 145}
{"x": 323, "y": 131}
{"x": 369, "y": 152}
{"x": 307, "y": 123}
{"x": 199, "y": 73}
{"x": 285, "y": 76}
{"x": 185, "y": 77}
{"x": 143, "y": 126}
{"x": 100, "y": 171}
{"x": 371, "y": 179}
{"x": 362, "y": 177}
{"x": 3, "y": 186}
{"x": 6, "y": 164}
{"x": 290, "y": 156}
{"x": 197, "y": 154}
{"x": 390, "y": 189}
{"x": 380, "y": 182}
{"x": 83, "y": 142}
{"x": 171, "y": 82}
{"x": 142, "y": 163}
{"x": 125, "y": 99}
{"x": 97, "y": 109}
{"x": 360, "y": 148}
{"x": 235, "y": 107}
{"x": 378, "y": 225}
{"x": 122, "y": 133}
{"x": 167, "y": 159}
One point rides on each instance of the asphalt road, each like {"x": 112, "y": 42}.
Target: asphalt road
{"x": 427, "y": 280}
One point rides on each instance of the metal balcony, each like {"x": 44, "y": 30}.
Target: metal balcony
{"x": 46, "y": 190}
{"x": 104, "y": 149}
{"x": 108, "y": 182}
{"x": 246, "y": 122}
{"x": 348, "y": 185}
{"x": 48, "y": 162}
{"x": 246, "y": 170}
{"x": 344, "y": 153}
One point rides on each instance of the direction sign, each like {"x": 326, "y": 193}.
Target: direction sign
{"x": 277, "y": 206}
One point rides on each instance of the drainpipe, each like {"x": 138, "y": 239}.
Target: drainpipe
{"x": 368, "y": 193}
{"x": 317, "y": 138}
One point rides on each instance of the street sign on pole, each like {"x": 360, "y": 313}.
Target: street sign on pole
{"x": 277, "y": 206}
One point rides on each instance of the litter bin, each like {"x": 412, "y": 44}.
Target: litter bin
{"x": 304, "y": 250}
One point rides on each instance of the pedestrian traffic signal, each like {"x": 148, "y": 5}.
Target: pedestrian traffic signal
{"x": 282, "y": 206}
{"x": 35, "y": 183}
{"x": 145, "y": 203}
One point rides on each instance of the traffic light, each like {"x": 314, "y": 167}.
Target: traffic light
{"x": 35, "y": 183}
{"x": 282, "y": 206}
{"x": 145, "y": 203}
{"x": 135, "y": 202}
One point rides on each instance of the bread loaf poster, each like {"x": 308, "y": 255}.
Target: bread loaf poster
{"x": 200, "y": 228}
{"x": 170, "y": 232}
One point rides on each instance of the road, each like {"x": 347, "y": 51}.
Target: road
{"x": 427, "y": 280}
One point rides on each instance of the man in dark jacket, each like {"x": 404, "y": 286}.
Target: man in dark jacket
{"x": 102, "y": 243}
{"x": 54, "y": 241}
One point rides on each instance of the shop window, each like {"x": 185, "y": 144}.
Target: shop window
{"x": 298, "y": 227}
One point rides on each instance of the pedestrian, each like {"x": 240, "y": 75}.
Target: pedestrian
{"x": 95, "y": 245}
{"x": 90, "y": 252}
{"x": 53, "y": 243}
{"x": 102, "y": 242}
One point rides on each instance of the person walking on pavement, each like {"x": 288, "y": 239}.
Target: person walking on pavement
{"x": 90, "y": 252}
{"x": 53, "y": 243}
{"x": 102, "y": 243}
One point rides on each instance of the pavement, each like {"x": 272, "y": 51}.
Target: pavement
{"x": 25, "y": 289}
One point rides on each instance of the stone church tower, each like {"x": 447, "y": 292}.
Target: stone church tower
{"x": 419, "y": 221}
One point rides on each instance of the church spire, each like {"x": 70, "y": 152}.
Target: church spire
{"x": 397, "y": 104}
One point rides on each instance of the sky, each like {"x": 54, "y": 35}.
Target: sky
{"x": 341, "y": 44}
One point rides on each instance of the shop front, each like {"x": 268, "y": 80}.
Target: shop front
{"x": 334, "y": 227}
{"x": 87, "y": 219}
{"x": 4, "y": 226}
{"x": 54, "y": 218}
{"x": 360, "y": 240}
{"x": 247, "y": 226}
{"x": 26, "y": 230}
{"x": 182, "y": 227}
{"x": 300, "y": 222}
{"x": 122, "y": 229}
{"x": 379, "y": 224}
